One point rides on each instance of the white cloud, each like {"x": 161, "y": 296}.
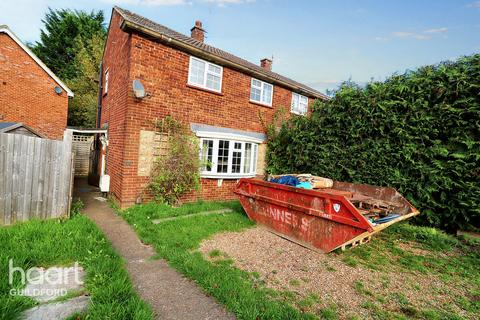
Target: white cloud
{"x": 381, "y": 38}
{"x": 416, "y": 36}
{"x": 403, "y": 34}
{"x": 148, "y": 2}
{"x": 424, "y": 35}
{"x": 475, "y": 4}
{"x": 436, "y": 30}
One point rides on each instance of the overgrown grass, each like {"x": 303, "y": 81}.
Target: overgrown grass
{"x": 176, "y": 241}
{"x": 48, "y": 243}
{"x": 450, "y": 259}
{"x": 454, "y": 261}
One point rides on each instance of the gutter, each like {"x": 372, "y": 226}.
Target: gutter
{"x": 127, "y": 25}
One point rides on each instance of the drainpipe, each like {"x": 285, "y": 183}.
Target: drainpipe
{"x": 100, "y": 94}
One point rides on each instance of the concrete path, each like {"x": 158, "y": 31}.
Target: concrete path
{"x": 171, "y": 295}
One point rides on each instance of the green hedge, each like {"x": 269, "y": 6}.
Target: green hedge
{"x": 418, "y": 132}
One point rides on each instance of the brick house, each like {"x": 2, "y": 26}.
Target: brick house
{"x": 30, "y": 93}
{"x": 219, "y": 95}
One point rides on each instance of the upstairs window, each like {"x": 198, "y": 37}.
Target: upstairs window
{"x": 299, "y": 104}
{"x": 205, "y": 75}
{"x": 261, "y": 92}
{"x": 105, "y": 82}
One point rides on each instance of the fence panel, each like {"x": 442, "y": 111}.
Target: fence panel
{"x": 81, "y": 147}
{"x": 35, "y": 178}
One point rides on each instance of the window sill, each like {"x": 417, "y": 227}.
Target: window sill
{"x": 298, "y": 114}
{"x": 226, "y": 176}
{"x": 204, "y": 89}
{"x": 261, "y": 104}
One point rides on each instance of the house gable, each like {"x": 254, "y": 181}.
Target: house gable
{"x": 4, "y": 29}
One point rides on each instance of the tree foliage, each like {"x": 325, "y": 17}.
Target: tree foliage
{"x": 71, "y": 45}
{"x": 418, "y": 132}
{"x": 83, "y": 106}
{"x": 63, "y": 29}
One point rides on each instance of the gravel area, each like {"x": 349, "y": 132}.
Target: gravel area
{"x": 284, "y": 265}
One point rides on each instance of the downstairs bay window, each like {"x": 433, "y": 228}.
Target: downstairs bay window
{"x": 227, "y": 159}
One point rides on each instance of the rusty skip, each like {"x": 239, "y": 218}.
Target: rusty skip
{"x": 323, "y": 219}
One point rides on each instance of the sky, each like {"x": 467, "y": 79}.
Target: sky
{"x": 320, "y": 43}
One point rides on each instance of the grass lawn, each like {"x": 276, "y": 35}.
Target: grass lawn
{"x": 176, "y": 241}
{"x": 246, "y": 295}
{"x": 53, "y": 242}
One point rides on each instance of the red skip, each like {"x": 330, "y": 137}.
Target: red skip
{"x": 324, "y": 219}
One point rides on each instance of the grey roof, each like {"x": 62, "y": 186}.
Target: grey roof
{"x": 142, "y": 22}
{"x": 199, "y": 128}
{"x": 4, "y": 125}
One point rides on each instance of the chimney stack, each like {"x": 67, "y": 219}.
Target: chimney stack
{"x": 266, "y": 64}
{"x": 198, "y": 33}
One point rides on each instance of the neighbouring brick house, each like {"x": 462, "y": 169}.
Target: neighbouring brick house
{"x": 30, "y": 93}
{"x": 219, "y": 95}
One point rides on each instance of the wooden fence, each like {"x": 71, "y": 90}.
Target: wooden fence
{"x": 36, "y": 178}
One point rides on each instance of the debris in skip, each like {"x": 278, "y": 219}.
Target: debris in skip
{"x": 320, "y": 213}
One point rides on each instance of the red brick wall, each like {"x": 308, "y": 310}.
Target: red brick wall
{"x": 27, "y": 92}
{"x": 114, "y": 105}
{"x": 164, "y": 73}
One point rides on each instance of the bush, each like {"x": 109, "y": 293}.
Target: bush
{"x": 418, "y": 132}
{"x": 178, "y": 171}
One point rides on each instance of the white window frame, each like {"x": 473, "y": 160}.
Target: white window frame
{"x": 299, "y": 97}
{"x": 205, "y": 74}
{"x": 229, "y": 174}
{"x": 262, "y": 89}
{"x": 105, "y": 82}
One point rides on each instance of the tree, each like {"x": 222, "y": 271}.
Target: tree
{"x": 83, "y": 106}
{"x": 58, "y": 41}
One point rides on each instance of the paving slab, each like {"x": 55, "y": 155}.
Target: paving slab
{"x": 170, "y": 294}
{"x": 58, "y": 310}
{"x": 48, "y": 284}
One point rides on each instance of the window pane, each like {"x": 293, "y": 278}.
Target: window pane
{"x": 222, "y": 165}
{"x": 197, "y": 72}
{"x": 213, "y": 82}
{"x": 248, "y": 158}
{"x": 255, "y": 94}
{"x": 236, "y": 160}
{"x": 267, "y": 93}
{"x": 294, "y": 102}
{"x": 213, "y": 68}
{"x": 207, "y": 153}
{"x": 303, "y": 109}
{"x": 256, "y": 83}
